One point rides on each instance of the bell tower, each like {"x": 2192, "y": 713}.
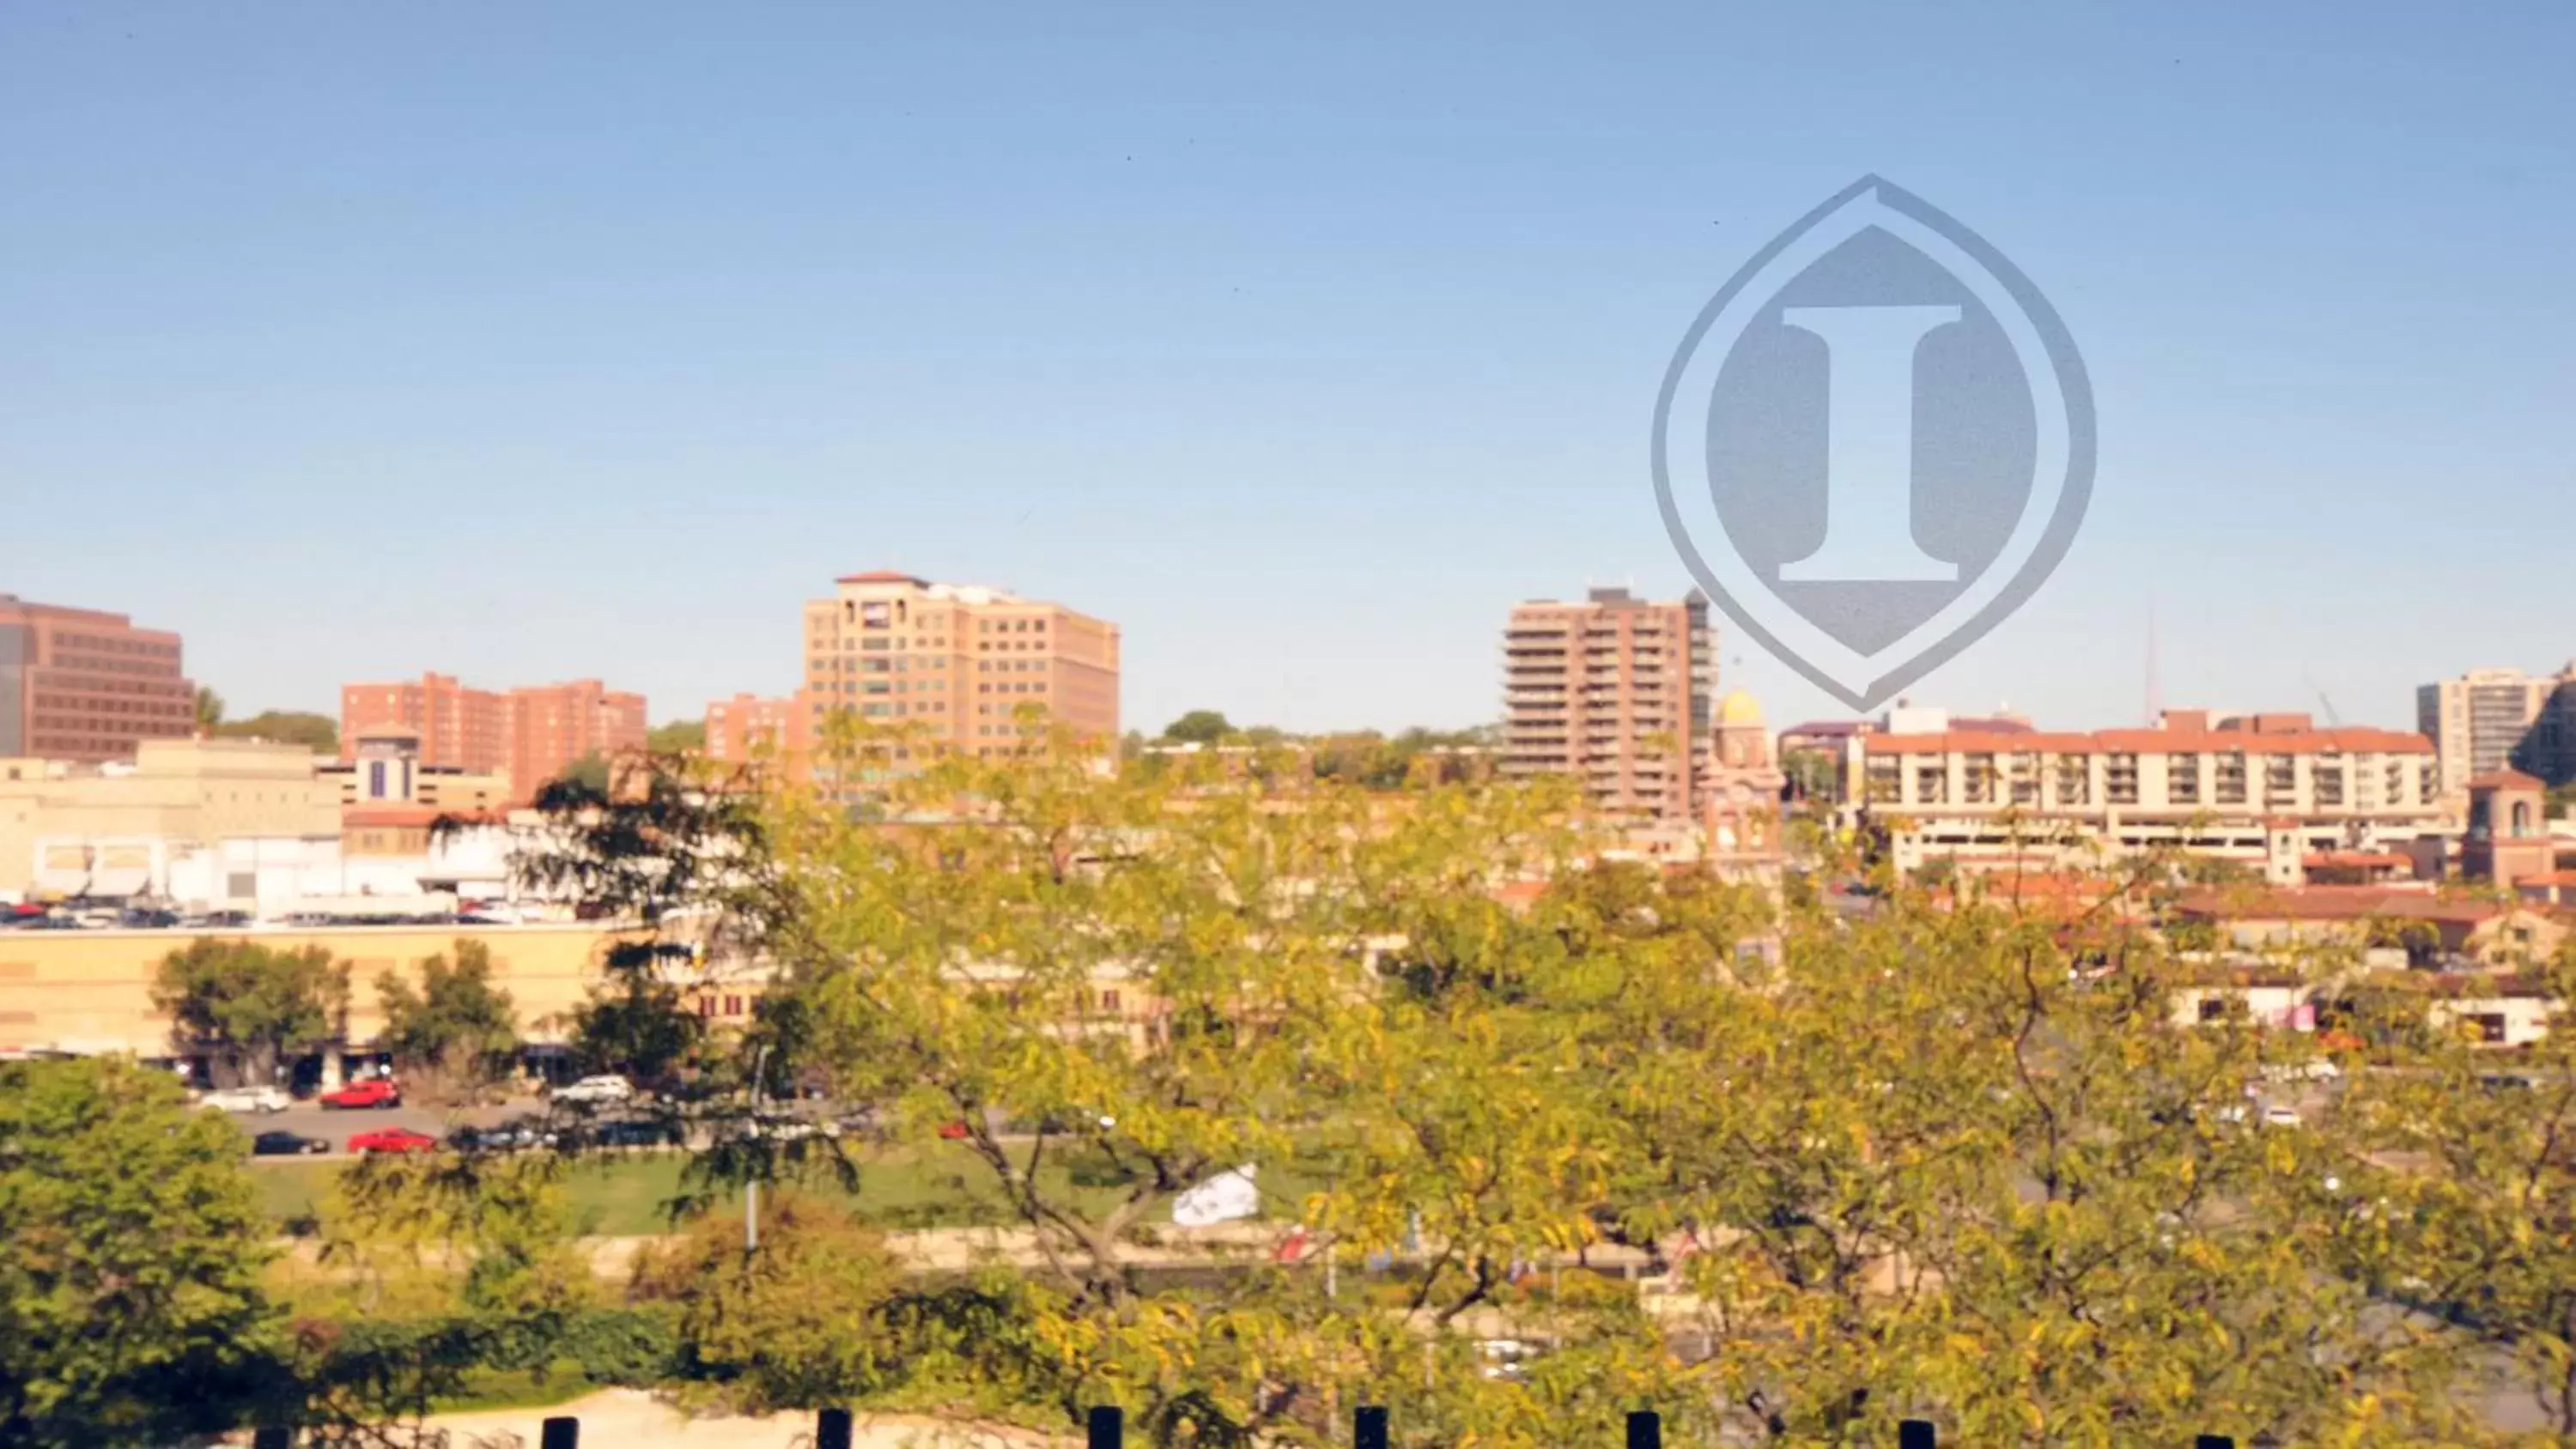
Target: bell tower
{"x": 1744, "y": 785}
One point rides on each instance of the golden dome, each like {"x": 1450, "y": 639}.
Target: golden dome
{"x": 1738, "y": 708}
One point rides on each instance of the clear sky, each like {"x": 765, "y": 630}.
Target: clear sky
{"x": 541, "y": 340}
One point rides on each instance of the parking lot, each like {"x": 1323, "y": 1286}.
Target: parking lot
{"x": 310, "y": 1119}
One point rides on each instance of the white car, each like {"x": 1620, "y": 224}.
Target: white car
{"x": 247, "y": 1099}
{"x": 2281, "y": 1117}
{"x": 597, "y": 1091}
{"x": 791, "y": 1129}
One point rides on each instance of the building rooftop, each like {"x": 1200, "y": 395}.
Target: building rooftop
{"x": 2351, "y": 740}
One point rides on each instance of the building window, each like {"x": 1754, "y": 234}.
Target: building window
{"x": 2231, "y": 780}
{"x": 2074, "y": 780}
{"x": 2329, "y": 782}
{"x": 2120, "y": 780}
{"x": 1931, "y": 784}
{"x": 2182, "y": 779}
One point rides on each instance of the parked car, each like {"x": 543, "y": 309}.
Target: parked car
{"x": 392, "y": 1139}
{"x": 631, "y": 1132}
{"x": 781, "y": 1128}
{"x": 595, "y": 1091}
{"x": 518, "y": 1136}
{"x": 954, "y": 1131}
{"x": 2277, "y": 1116}
{"x": 376, "y": 1092}
{"x": 247, "y": 1099}
{"x": 288, "y": 1144}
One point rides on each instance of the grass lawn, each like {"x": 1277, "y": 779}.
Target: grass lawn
{"x": 940, "y": 1186}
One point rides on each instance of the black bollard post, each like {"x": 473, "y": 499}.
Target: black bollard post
{"x": 561, "y": 1432}
{"x": 1108, "y": 1427}
{"x": 2214, "y": 1441}
{"x": 1645, "y": 1429}
{"x": 1916, "y": 1434}
{"x": 1368, "y": 1427}
{"x": 275, "y": 1436}
{"x": 832, "y": 1429}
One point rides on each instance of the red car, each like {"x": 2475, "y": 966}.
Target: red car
{"x": 392, "y": 1139}
{"x": 954, "y": 1131}
{"x": 374, "y": 1092}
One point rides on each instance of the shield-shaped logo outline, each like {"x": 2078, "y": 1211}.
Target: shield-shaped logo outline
{"x": 2061, "y": 483}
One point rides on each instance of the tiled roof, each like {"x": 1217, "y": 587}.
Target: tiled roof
{"x": 2505, "y": 780}
{"x": 2354, "y": 740}
{"x": 880, "y": 576}
{"x": 2332, "y": 903}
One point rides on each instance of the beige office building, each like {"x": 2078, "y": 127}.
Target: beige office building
{"x": 69, "y": 829}
{"x": 1613, "y": 690}
{"x": 2496, "y": 719}
{"x": 956, "y": 661}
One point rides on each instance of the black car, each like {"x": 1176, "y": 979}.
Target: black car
{"x": 288, "y": 1144}
{"x": 631, "y": 1133}
{"x": 518, "y": 1136}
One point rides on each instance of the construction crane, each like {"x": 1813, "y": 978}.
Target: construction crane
{"x": 2332, "y": 718}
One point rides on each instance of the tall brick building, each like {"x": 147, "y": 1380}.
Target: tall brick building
{"x": 1613, "y": 691}
{"x": 87, "y": 686}
{"x": 533, "y": 733}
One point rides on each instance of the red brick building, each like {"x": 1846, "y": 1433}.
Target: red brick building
{"x": 83, "y": 685}
{"x": 533, "y": 734}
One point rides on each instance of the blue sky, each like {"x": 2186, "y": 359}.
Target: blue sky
{"x": 541, "y": 341}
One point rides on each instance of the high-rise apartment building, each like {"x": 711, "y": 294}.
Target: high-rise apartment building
{"x": 533, "y": 734}
{"x": 956, "y": 661}
{"x": 2495, "y": 719}
{"x": 1613, "y": 690}
{"x": 87, "y": 686}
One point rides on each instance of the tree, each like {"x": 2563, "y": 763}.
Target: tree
{"x": 131, "y": 1310}
{"x": 455, "y": 1032}
{"x": 676, "y": 736}
{"x": 1199, "y": 726}
{"x": 1158, "y": 978}
{"x": 249, "y": 1007}
{"x": 682, "y": 862}
{"x": 2479, "y": 1226}
{"x": 1814, "y": 775}
{"x": 209, "y": 709}
{"x": 590, "y": 772}
{"x": 795, "y": 1325}
{"x": 1948, "y": 1156}
{"x": 316, "y": 732}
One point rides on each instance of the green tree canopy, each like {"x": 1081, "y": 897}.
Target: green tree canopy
{"x": 678, "y": 735}
{"x": 248, "y": 1006}
{"x": 131, "y": 1310}
{"x": 209, "y": 708}
{"x": 590, "y": 772}
{"x": 453, "y": 1032}
{"x": 1199, "y": 727}
{"x": 796, "y": 1325}
{"x": 1927, "y": 1154}
{"x": 317, "y": 732}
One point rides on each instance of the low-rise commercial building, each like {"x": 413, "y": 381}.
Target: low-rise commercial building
{"x": 90, "y": 992}
{"x": 222, "y": 820}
